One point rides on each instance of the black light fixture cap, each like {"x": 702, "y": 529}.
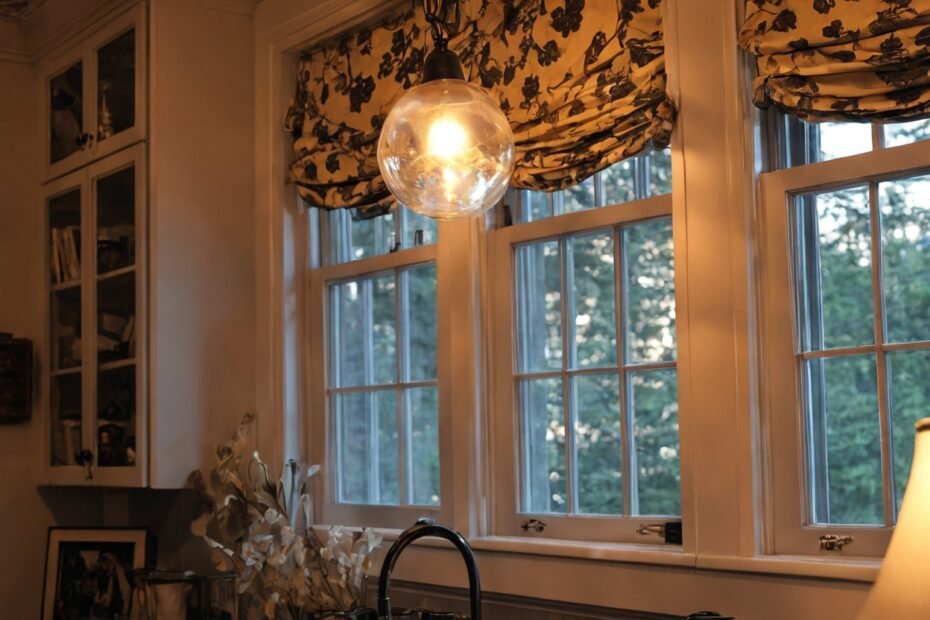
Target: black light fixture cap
{"x": 442, "y": 64}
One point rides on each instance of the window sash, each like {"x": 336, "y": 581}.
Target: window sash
{"x": 506, "y": 468}
{"x": 321, "y": 387}
{"x": 784, "y": 419}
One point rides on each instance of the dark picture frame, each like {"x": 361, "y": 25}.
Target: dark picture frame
{"x": 87, "y": 571}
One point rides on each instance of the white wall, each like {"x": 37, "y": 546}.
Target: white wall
{"x": 24, "y": 518}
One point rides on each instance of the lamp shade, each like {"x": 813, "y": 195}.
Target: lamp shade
{"x": 902, "y": 590}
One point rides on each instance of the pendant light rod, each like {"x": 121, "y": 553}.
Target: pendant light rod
{"x": 441, "y": 63}
{"x": 431, "y": 9}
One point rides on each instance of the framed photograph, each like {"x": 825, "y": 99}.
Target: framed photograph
{"x": 87, "y": 572}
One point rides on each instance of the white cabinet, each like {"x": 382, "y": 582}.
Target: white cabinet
{"x": 149, "y": 353}
{"x": 94, "y": 99}
{"x": 95, "y": 265}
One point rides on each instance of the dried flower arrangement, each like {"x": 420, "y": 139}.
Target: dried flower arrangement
{"x": 262, "y": 530}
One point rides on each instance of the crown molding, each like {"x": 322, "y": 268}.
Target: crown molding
{"x": 239, "y": 7}
{"x": 14, "y": 55}
{"x": 44, "y": 44}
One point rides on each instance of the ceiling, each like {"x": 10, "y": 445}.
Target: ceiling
{"x": 14, "y": 8}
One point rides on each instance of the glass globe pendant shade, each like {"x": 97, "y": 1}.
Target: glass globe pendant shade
{"x": 446, "y": 150}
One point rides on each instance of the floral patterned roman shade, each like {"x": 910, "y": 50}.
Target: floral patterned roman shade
{"x": 841, "y": 59}
{"x": 581, "y": 81}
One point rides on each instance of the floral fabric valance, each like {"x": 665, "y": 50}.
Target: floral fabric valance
{"x": 582, "y": 83}
{"x": 841, "y": 59}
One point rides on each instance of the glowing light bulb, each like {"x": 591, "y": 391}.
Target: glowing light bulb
{"x": 446, "y": 150}
{"x": 447, "y": 139}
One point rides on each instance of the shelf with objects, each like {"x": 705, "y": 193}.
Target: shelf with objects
{"x": 94, "y": 96}
{"x": 96, "y": 305}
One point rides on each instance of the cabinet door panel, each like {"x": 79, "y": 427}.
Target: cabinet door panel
{"x": 118, "y": 409}
{"x": 94, "y": 97}
{"x": 67, "y": 381}
{"x": 66, "y": 112}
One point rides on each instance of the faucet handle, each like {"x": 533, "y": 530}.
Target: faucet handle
{"x": 426, "y": 521}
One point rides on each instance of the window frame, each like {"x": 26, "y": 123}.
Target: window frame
{"x": 321, "y": 420}
{"x": 505, "y": 422}
{"x": 784, "y": 423}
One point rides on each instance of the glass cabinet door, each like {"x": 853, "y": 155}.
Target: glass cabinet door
{"x": 66, "y": 113}
{"x": 65, "y": 341}
{"x": 116, "y": 86}
{"x": 115, "y": 230}
{"x": 96, "y": 96}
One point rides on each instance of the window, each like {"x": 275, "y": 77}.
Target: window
{"x": 847, "y": 232}
{"x": 587, "y": 397}
{"x": 382, "y": 387}
{"x": 378, "y": 391}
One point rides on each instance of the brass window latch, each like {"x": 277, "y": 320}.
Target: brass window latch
{"x": 533, "y": 524}
{"x": 670, "y": 531}
{"x": 832, "y": 542}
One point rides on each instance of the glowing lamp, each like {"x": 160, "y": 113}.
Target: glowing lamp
{"x": 902, "y": 590}
{"x": 446, "y": 149}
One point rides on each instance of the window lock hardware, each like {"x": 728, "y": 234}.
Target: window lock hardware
{"x": 670, "y": 531}
{"x": 533, "y": 524}
{"x": 832, "y": 542}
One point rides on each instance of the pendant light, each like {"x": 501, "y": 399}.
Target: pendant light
{"x": 446, "y": 149}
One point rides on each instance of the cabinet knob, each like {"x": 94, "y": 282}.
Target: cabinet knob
{"x": 86, "y": 458}
{"x": 85, "y": 140}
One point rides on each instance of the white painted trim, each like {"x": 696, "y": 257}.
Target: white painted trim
{"x": 14, "y": 55}
{"x": 237, "y": 7}
{"x": 52, "y": 44}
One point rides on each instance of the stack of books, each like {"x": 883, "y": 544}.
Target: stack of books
{"x": 66, "y": 254}
{"x": 115, "y": 336}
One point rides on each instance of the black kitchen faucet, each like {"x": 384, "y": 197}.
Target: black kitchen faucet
{"x": 422, "y": 528}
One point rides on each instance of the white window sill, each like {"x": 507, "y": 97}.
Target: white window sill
{"x": 858, "y": 569}
{"x": 667, "y": 555}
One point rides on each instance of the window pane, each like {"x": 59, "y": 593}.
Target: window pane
{"x": 579, "y": 197}
{"x": 654, "y": 402}
{"x": 418, "y": 229}
{"x": 423, "y": 445}
{"x": 363, "y": 332}
{"x": 598, "y": 444}
{"x": 804, "y": 143}
{"x": 845, "y": 459}
{"x": 897, "y": 134}
{"x": 592, "y": 319}
{"x": 367, "y": 447}
{"x": 905, "y": 211}
{"x": 910, "y": 401}
{"x": 543, "y": 446}
{"x": 348, "y": 358}
{"x": 843, "y": 139}
{"x": 384, "y": 330}
{"x": 539, "y": 306}
{"x": 660, "y": 172}
{"x": 619, "y": 182}
{"x": 649, "y": 288}
{"x": 535, "y": 206}
{"x": 420, "y": 307}
{"x": 352, "y": 238}
{"x": 835, "y": 260}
